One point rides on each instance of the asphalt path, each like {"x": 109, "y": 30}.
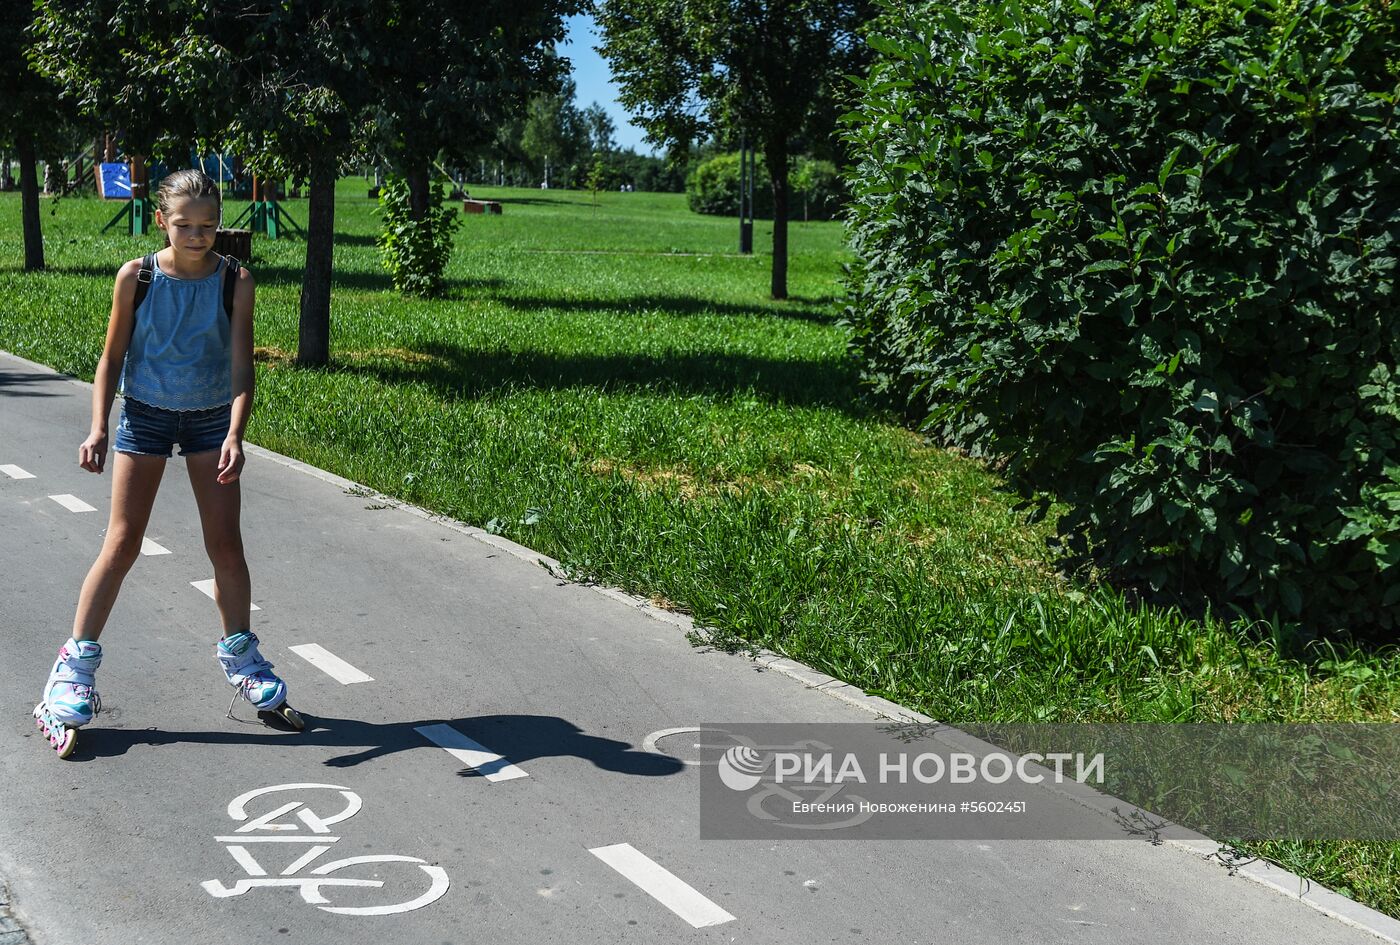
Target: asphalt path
{"x": 554, "y": 820}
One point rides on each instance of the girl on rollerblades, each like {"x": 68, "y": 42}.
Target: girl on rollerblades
{"x": 180, "y": 343}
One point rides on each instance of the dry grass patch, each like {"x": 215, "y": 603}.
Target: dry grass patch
{"x": 272, "y": 355}
{"x": 648, "y": 480}
{"x": 280, "y": 357}
{"x": 394, "y": 354}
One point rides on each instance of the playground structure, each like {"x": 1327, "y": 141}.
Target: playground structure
{"x": 265, "y": 215}
{"x": 131, "y": 180}
{"x": 139, "y": 209}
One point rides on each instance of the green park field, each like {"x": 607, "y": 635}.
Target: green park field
{"x": 612, "y": 387}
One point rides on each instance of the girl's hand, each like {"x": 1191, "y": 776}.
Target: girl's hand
{"x": 92, "y": 455}
{"x": 230, "y": 461}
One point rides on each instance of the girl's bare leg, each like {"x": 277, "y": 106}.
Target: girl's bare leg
{"x": 219, "y": 507}
{"x": 135, "y": 480}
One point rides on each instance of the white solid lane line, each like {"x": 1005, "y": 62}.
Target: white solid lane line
{"x": 149, "y": 547}
{"x": 72, "y": 503}
{"x": 14, "y": 472}
{"x": 207, "y": 589}
{"x": 662, "y": 885}
{"x": 492, "y": 766}
{"x": 330, "y": 664}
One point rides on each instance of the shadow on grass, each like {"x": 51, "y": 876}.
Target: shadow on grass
{"x": 460, "y": 372}
{"x": 547, "y": 201}
{"x": 268, "y": 274}
{"x": 374, "y": 281}
{"x": 356, "y": 239}
{"x": 813, "y": 310}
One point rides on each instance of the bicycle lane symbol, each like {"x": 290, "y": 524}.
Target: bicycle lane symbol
{"x": 257, "y": 830}
{"x": 706, "y": 746}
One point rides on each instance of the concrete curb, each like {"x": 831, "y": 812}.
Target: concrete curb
{"x": 11, "y": 932}
{"x": 1330, "y": 903}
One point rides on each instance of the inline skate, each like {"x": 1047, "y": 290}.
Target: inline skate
{"x": 70, "y": 697}
{"x": 253, "y": 679}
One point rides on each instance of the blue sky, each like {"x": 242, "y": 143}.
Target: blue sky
{"x": 594, "y": 79}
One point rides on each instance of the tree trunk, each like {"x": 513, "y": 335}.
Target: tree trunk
{"x": 777, "y": 158}
{"x": 418, "y": 196}
{"x": 314, "y": 339}
{"x": 29, "y": 203}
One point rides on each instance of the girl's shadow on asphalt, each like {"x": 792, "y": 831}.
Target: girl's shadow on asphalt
{"x": 519, "y": 738}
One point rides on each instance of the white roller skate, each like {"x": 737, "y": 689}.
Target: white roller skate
{"x": 253, "y": 678}
{"x": 70, "y": 699}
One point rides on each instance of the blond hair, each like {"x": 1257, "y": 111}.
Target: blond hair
{"x": 191, "y": 183}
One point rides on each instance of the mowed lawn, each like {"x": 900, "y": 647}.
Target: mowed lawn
{"x": 611, "y": 386}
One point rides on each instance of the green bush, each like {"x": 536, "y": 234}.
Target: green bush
{"x": 1145, "y": 252}
{"x": 816, "y": 188}
{"x": 416, "y": 251}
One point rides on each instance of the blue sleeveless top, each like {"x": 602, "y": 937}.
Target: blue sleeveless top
{"x": 180, "y": 356}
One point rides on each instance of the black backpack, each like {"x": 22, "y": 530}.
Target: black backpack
{"x": 148, "y": 271}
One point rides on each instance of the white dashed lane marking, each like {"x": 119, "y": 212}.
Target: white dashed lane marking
{"x": 662, "y": 885}
{"x": 14, "y": 472}
{"x": 207, "y": 589}
{"x": 72, "y": 503}
{"x": 330, "y": 664}
{"x": 149, "y": 547}
{"x": 492, "y": 766}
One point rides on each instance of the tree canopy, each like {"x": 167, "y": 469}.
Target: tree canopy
{"x": 299, "y": 88}
{"x": 774, "y": 71}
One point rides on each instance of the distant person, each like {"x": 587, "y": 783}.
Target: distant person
{"x": 184, "y": 348}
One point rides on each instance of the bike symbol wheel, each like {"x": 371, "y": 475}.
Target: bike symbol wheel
{"x": 391, "y": 877}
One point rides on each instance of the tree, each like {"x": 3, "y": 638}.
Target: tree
{"x": 597, "y": 176}
{"x": 448, "y": 74}
{"x": 279, "y": 82}
{"x": 770, "y": 70}
{"x": 444, "y": 77}
{"x": 34, "y": 119}
{"x": 601, "y": 129}
{"x": 554, "y": 134}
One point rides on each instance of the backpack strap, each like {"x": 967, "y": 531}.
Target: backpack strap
{"x": 144, "y": 279}
{"x": 147, "y": 274}
{"x": 231, "y": 267}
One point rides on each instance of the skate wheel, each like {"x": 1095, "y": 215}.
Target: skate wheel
{"x": 292, "y": 717}
{"x": 69, "y": 741}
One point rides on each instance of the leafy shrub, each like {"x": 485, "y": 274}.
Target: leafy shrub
{"x": 1146, "y": 253}
{"x": 416, "y": 251}
{"x": 816, "y": 188}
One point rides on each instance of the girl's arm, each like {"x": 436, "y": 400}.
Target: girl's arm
{"x": 92, "y": 454}
{"x": 231, "y": 456}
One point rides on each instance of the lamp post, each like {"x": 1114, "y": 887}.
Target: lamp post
{"x": 745, "y": 197}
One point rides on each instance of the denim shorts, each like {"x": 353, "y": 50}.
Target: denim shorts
{"x": 153, "y": 431}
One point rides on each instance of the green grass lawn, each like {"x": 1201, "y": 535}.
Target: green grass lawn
{"x": 612, "y": 387}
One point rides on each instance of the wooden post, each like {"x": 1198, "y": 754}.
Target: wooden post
{"x": 258, "y": 223}
{"x": 140, "y": 201}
